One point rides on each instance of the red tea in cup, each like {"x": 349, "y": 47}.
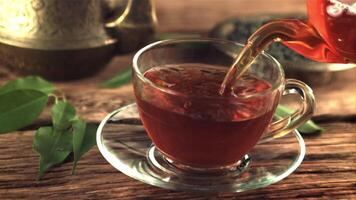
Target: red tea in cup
{"x": 196, "y": 126}
{"x": 192, "y": 125}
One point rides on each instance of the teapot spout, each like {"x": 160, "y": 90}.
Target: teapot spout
{"x": 297, "y": 35}
{"x": 135, "y": 26}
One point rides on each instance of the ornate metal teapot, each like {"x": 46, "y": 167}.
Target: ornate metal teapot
{"x": 66, "y": 39}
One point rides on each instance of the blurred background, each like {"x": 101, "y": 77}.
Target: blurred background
{"x": 174, "y": 15}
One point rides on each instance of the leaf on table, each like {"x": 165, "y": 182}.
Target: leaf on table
{"x": 62, "y": 115}
{"x": 30, "y": 82}
{"x": 166, "y": 36}
{"x": 308, "y": 128}
{"x": 89, "y": 139}
{"x": 52, "y": 146}
{"x": 84, "y": 138}
{"x": 20, "y": 108}
{"x": 79, "y": 127}
{"x": 118, "y": 80}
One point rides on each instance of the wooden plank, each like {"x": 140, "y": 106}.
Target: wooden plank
{"x": 94, "y": 103}
{"x": 328, "y": 170}
{"x": 336, "y": 97}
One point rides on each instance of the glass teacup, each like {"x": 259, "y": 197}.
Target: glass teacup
{"x": 176, "y": 86}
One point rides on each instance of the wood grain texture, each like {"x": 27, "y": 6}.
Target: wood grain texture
{"x": 327, "y": 172}
{"x": 94, "y": 103}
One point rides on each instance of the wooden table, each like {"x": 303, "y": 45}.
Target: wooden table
{"x": 327, "y": 172}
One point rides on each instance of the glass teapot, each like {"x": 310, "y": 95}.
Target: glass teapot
{"x": 329, "y": 34}
{"x": 65, "y": 39}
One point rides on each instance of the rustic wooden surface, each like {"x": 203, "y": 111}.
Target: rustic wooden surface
{"x": 327, "y": 172}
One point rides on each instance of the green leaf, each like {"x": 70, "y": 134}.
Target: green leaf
{"x": 62, "y": 115}
{"x": 30, "y": 82}
{"x": 166, "y": 36}
{"x": 308, "y": 128}
{"x": 84, "y": 138}
{"x": 52, "y": 146}
{"x": 118, "y": 80}
{"x": 79, "y": 127}
{"x": 20, "y": 108}
{"x": 89, "y": 139}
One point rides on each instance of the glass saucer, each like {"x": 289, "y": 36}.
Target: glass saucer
{"x": 123, "y": 142}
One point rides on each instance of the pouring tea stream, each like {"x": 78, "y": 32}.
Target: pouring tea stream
{"x": 329, "y": 35}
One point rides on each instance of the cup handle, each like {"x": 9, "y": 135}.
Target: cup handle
{"x": 300, "y": 116}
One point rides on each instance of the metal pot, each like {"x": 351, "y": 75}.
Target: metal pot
{"x": 66, "y": 39}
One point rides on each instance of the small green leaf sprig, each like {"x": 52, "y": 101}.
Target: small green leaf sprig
{"x": 118, "y": 80}
{"x": 307, "y": 128}
{"x": 22, "y": 101}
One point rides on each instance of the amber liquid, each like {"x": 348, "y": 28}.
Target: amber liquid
{"x": 196, "y": 126}
{"x": 328, "y": 36}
